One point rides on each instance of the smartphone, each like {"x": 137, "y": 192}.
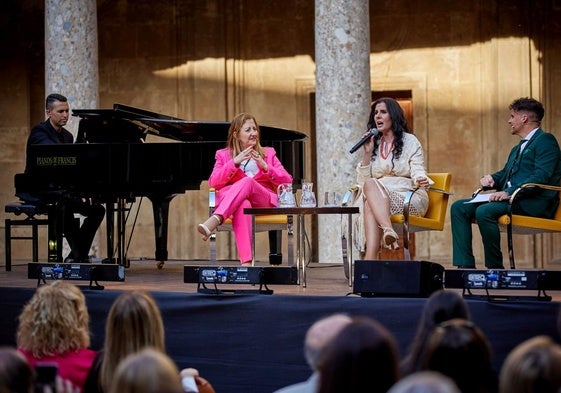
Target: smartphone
{"x": 45, "y": 375}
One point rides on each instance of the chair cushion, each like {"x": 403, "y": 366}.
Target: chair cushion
{"x": 25, "y": 208}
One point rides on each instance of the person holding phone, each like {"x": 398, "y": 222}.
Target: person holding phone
{"x": 17, "y": 376}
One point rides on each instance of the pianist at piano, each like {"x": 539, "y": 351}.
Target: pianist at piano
{"x": 245, "y": 174}
{"x": 49, "y": 132}
{"x": 110, "y": 164}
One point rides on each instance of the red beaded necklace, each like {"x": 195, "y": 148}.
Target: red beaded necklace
{"x": 386, "y": 149}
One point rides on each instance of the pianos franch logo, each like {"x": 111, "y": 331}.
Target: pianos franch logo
{"x": 57, "y": 161}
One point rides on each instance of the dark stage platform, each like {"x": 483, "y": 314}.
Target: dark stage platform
{"x": 254, "y": 342}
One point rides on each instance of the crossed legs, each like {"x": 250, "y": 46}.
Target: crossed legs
{"x": 244, "y": 193}
{"x": 377, "y": 222}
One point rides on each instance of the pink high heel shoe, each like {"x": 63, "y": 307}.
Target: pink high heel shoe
{"x": 209, "y": 226}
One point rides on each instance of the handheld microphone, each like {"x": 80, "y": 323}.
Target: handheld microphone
{"x": 371, "y": 133}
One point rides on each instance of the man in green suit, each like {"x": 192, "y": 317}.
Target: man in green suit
{"x": 536, "y": 159}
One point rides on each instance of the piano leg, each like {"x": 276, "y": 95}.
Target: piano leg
{"x": 110, "y": 228}
{"x": 55, "y": 216}
{"x": 160, "y": 206}
{"x": 121, "y": 227}
{"x": 110, "y": 213}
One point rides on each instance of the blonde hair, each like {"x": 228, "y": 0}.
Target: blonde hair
{"x": 148, "y": 371}
{"x": 54, "y": 321}
{"x": 134, "y": 323}
{"x": 234, "y": 144}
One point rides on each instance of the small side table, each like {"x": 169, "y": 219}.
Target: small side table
{"x": 300, "y": 213}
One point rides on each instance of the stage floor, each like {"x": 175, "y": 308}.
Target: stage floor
{"x": 322, "y": 279}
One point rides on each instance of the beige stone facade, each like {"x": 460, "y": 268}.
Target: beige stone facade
{"x": 462, "y": 62}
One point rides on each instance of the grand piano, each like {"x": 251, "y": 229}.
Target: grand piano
{"x": 113, "y": 162}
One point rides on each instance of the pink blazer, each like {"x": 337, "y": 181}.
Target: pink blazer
{"x": 225, "y": 173}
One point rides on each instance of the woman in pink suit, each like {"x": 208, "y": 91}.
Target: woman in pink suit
{"x": 245, "y": 174}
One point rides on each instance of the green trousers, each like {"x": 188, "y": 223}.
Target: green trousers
{"x": 486, "y": 215}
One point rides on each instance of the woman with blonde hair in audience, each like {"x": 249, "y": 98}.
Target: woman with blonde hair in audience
{"x": 534, "y": 366}
{"x": 134, "y": 323}
{"x": 54, "y": 327}
{"x": 147, "y": 371}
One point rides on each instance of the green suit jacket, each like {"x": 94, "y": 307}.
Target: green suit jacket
{"x": 540, "y": 162}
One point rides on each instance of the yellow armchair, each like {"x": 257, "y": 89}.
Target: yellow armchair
{"x": 526, "y": 225}
{"x": 433, "y": 220}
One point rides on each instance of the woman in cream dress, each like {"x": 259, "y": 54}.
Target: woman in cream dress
{"x": 392, "y": 164}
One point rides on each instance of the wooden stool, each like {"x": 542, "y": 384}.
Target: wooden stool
{"x": 30, "y": 211}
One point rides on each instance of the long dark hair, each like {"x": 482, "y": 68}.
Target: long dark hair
{"x": 399, "y": 124}
{"x": 440, "y": 307}
{"x": 363, "y": 354}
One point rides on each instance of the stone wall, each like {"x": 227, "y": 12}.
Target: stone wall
{"x": 464, "y": 62}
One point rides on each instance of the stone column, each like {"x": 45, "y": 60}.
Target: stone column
{"x": 71, "y": 65}
{"x": 342, "y": 54}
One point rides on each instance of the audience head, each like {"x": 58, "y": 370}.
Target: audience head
{"x": 134, "y": 323}
{"x": 16, "y": 376}
{"x": 147, "y": 371}
{"x": 319, "y": 335}
{"x": 459, "y": 349}
{"x": 531, "y": 367}
{"x": 441, "y": 306}
{"x": 363, "y": 355}
{"x": 425, "y": 382}
{"x": 54, "y": 321}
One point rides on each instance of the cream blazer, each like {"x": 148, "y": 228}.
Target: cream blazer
{"x": 399, "y": 177}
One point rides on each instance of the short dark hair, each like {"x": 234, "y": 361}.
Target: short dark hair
{"x": 51, "y": 98}
{"x": 526, "y": 104}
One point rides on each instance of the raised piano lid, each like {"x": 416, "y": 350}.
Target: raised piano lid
{"x": 125, "y": 123}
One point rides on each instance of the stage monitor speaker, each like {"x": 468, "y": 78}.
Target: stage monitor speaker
{"x": 397, "y": 278}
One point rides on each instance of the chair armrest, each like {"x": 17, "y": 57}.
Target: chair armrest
{"x": 439, "y": 190}
{"x": 481, "y": 189}
{"x": 211, "y": 201}
{"x": 411, "y": 192}
{"x": 348, "y": 197}
{"x": 528, "y": 186}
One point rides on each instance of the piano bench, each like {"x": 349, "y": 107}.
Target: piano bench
{"x": 31, "y": 211}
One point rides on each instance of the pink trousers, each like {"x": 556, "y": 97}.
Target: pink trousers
{"x": 231, "y": 200}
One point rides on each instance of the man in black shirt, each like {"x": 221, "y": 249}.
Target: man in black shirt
{"x": 52, "y": 131}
